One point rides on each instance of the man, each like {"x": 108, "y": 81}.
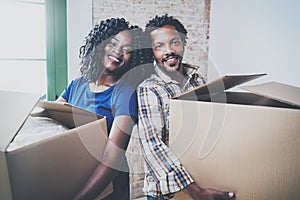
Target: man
{"x": 164, "y": 173}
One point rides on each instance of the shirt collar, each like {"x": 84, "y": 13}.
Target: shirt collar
{"x": 189, "y": 71}
{"x": 163, "y": 76}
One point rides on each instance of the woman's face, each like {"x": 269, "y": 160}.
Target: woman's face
{"x": 117, "y": 51}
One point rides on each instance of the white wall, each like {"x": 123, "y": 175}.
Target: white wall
{"x": 250, "y": 36}
{"x": 79, "y": 23}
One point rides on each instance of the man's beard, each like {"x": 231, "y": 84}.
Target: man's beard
{"x": 175, "y": 56}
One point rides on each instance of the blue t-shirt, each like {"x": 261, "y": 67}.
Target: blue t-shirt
{"x": 117, "y": 100}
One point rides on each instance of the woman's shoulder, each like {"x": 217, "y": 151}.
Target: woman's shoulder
{"x": 124, "y": 86}
{"x": 123, "y": 89}
{"x": 123, "y": 93}
{"x": 79, "y": 81}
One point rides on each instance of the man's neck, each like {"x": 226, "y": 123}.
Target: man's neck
{"x": 177, "y": 76}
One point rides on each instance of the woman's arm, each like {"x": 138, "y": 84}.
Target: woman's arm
{"x": 113, "y": 159}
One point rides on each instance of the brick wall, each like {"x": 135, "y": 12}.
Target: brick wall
{"x": 194, "y": 14}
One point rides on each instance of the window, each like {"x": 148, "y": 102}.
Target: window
{"x": 23, "y": 46}
{"x": 33, "y": 50}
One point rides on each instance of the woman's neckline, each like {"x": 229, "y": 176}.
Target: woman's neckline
{"x": 98, "y": 88}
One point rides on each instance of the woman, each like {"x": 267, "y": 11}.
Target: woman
{"x": 111, "y": 49}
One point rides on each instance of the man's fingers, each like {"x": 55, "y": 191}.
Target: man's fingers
{"x": 224, "y": 195}
{"x": 231, "y": 195}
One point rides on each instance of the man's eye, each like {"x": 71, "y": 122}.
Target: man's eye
{"x": 176, "y": 42}
{"x": 158, "y": 46}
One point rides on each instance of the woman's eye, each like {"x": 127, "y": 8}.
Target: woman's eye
{"x": 112, "y": 44}
{"x": 127, "y": 49}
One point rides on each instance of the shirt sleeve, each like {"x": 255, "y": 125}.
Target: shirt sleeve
{"x": 66, "y": 93}
{"x": 170, "y": 175}
{"x": 125, "y": 101}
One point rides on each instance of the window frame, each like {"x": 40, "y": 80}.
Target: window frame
{"x": 56, "y": 47}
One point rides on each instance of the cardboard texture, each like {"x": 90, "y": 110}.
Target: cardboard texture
{"x": 54, "y": 168}
{"x": 247, "y": 143}
{"x": 218, "y": 85}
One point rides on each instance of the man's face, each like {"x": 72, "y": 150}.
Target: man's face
{"x": 167, "y": 49}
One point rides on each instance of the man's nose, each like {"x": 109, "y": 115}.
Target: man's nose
{"x": 169, "y": 49}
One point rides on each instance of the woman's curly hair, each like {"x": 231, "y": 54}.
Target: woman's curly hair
{"x": 91, "y": 52}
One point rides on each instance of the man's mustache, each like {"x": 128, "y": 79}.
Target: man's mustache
{"x": 174, "y": 55}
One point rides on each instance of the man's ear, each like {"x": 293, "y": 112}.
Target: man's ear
{"x": 183, "y": 51}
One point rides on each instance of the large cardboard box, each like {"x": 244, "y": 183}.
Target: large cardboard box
{"x": 54, "y": 168}
{"x": 246, "y": 142}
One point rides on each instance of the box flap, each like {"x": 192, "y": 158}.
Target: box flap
{"x": 64, "y": 107}
{"x": 67, "y": 114}
{"x": 5, "y": 192}
{"x": 15, "y": 108}
{"x": 277, "y": 91}
{"x": 223, "y": 83}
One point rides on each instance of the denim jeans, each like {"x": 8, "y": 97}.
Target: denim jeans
{"x": 151, "y": 198}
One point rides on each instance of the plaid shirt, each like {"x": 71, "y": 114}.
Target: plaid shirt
{"x": 164, "y": 173}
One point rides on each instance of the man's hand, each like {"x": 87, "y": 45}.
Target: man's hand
{"x": 197, "y": 193}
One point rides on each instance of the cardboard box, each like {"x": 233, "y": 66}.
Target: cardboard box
{"x": 246, "y": 142}
{"x": 54, "y": 168}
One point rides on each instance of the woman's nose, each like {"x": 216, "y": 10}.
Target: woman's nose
{"x": 118, "y": 50}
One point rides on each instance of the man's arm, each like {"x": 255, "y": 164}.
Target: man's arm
{"x": 170, "y": 174}
{"x": 197, "y": 193}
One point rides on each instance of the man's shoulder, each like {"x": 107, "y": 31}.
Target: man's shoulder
{"x": 190, "y": 66}
{"x": 152, "y": 81}
{"x": 195, "y": 69}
